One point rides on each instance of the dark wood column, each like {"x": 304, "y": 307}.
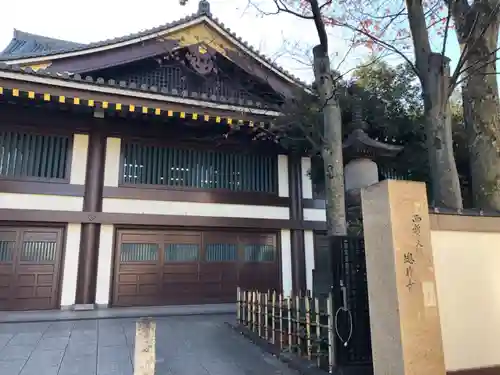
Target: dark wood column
{"x": 296, "y": 213}
{"x": 92, "y": 202}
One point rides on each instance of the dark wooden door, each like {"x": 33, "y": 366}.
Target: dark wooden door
{"x": 137, "y": 278}
{"x": 30, "y": 261}
{"x": 192, "y": 267}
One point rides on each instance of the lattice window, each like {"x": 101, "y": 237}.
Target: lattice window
{"x": 172, "y": 77}
{"x": 260, "y": 253}
{"x": 219, "y": 87}
{"x": 153, "y": 165}
{"x": 388, "y": 173}
{"x": 39, "y": 252}
{"x": 24, "y": 155}
{"x": 181, "y": 253}
{"x": 7, "y": 251}
{"x": 138, "y": 252}
{"x": 221, "y": 252}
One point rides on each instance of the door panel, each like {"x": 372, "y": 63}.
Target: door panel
{"x": 193, "y": 267}
{"x": 30, "y": 261}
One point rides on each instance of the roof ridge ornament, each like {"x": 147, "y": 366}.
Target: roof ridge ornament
{"x": 204, "y": 7}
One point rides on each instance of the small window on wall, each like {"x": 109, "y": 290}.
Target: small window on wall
{"x": 221, "y": 252}
{"x": 200, "y": 169}
{"x": 7, "y": 251}
{"x": 34, "y": 156}
{"x": 181, "y": 253}
{"x": 260, "y": 253}
{"x": 39, "y": 252}
{"x": 139, "y": 252}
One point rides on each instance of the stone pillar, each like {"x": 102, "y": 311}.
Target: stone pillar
{"x": 404, "y": 313}
{"x": 296, "y": 214}
{"x": 92, "y": 202}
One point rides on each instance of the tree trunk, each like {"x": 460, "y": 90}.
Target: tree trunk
{"x": 481, "y": 114}
{"x": 332, "y": 145}
{"x": 445, "y": 182}
{"x": 434, "y": 73}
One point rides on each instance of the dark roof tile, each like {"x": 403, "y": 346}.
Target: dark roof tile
{"x": 26, "y": 44}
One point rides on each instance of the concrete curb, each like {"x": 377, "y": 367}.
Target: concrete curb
{"x": 302, "y": 366}
{"x": 115, "y": 313}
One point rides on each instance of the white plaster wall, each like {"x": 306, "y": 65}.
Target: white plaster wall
{"x": 104, "y": 264}
{"x": 70, "y": 266}
{"x": 283, "y": 176}
{"x": 112, "y": 162}
{"x": 79, "y": 159}
{"x": 309, "y": 252}
{"x": 118, "y": 205}
{"x": 286, "y": 261}
{"x": 314, "y": 214}
{"x": 468, "y": 287}
{"x": 307, "y": 188}
{"x": 40, "y": 202}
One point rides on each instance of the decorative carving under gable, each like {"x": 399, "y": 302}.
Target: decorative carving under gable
{"x": 201, "y": 60}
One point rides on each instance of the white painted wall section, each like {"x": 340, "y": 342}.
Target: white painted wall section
{"x": 307, "y": 189}
{"x": 286, "y": 261}
{"x": 40, "y": 202}
{"x": 70, "y": 266}
{"x": 309, "y": 255}
{"x": 136, "y": 206}
{"x": 283, "y": 176}
{"x": 314, "y": 214}
{"x": 112, "y": 162}
{"x": 79, "y": 159}
{"x": 104, "y": 265}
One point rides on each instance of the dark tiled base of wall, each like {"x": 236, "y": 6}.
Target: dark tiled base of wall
{"x": 494, "y": 370}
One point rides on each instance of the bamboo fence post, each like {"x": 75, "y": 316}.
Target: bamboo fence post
{"x": 298, "y": 325}
{"x": 259, "y": 313}
{"x": 290, "y": 323}
{"x": 308, "y": 326}
{"x": 244, "y": 312}
{"x": 254, "y": 299}
{"x": 273, "y": 314}
{"x": 331, "y": 337}
{"x": 280, "y": 312}
{"x": 250, "y": 310}
{"x": 318, "y": 330}
{"x": 266, "y": 316}
{"x": 238, "y": 306}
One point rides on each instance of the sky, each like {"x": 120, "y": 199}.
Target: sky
{"x": 284, "y": 38}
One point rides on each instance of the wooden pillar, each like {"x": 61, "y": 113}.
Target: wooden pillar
{"x": 299, "y": 282}
{"x": 92, "y": 202}
{"x": 404, "y": 313}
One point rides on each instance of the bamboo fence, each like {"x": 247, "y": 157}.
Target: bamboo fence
{"x": 302, "y": 325}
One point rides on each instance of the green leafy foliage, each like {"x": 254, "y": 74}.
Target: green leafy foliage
{"x": 393, "y": 109}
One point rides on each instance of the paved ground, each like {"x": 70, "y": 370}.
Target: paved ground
{"x": 191, "y": 345}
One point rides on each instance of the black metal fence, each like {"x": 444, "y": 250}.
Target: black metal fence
{"x": 350, "y": 299}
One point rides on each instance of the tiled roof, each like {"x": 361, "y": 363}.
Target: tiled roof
{"x": 202, "y": 12}
{"x": 26, "y": 44}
